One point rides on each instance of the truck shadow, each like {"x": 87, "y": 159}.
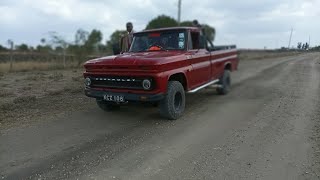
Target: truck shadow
{"x": 150, "y": 112}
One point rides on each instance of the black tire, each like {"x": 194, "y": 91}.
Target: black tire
{"x": 225, "y": 82}
{"x": 107, "y": 106}
{"x": 173, "y": 104}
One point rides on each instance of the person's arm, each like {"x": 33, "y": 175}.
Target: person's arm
{"x": 121, "y": 44}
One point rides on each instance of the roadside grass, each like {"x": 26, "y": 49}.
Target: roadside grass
{"x": 24, "y": 66}
{"x": 24, "y": 99}
{"x": 5, "y": 93}
{"x": 56, "y": 76}
{"x": 260, "y": 54}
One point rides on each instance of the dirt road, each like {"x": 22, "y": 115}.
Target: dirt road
{"x": 266, "y": 128}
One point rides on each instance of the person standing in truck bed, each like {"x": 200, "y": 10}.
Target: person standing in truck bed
{"x": 126, "y": 39}
{"x": 195, "y": 23}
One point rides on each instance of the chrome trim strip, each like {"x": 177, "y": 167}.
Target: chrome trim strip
{"x": 223, "y": 51}
{"x": 223, "y": 59}
{"x": 203, "y": 86}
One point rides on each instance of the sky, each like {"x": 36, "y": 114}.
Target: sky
{"x": 246, "y": 23}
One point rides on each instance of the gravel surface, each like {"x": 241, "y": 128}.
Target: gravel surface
{"x": 266, "y": 128}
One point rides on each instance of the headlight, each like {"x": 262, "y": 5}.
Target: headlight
{"x": 87, "y": 81}
{"x": 146, "y": 84}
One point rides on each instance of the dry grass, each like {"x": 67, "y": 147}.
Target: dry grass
{"x": 33, "y": 77}
{"x": 65, "y": 90}
{"x": 78, "y": 78}
{"x": 24, "y": 99}
{"x": 27, "y": 88}
{"x": 78, "y": 89}
{"x": 56, "y": 76}
{"x": 32, "y": 65}
{"x": 4, "y": 93}
{"x": 260, "y": 54}
{"x": 55, "y": 92}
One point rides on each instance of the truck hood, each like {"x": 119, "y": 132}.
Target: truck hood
{"x": 137, "y": 59}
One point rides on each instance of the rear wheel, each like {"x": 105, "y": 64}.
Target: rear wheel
{"x": 225, "y": 82}
{"x": 173, "y": 104}
{"x": 107, "y": 106}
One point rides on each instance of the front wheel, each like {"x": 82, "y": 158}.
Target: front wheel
{"x": 173, "y": 104}
{"x": 225, "y": 83}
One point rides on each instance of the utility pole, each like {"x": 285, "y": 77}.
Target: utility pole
{"x": 64, "y": 56}
{"x": 179, "y": 11}
{"x": 11, "y": 44}
{"x": 290, "y": 38}
{"x": 309, "y": 40}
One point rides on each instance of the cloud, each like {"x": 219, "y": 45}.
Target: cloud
{"x": 248, "y": 23}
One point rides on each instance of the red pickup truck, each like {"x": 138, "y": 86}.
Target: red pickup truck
{"x": 161, "y": 66}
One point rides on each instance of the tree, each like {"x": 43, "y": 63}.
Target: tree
{"x": 114, "y": 42}
{"x": 2, "y": 48}
{"x": 186, "y": 23}
{"x": 115, "y": 36}
{"x": 31, "y": 48}
{"x": 93, "y": 41}
{"x": 59, "y": 49}
{"x": 86, "y": 44}
{"x": 316, "y": 48}
{"x": 81, "y": 37}
{"x": 161, "y": 22}
{"x": 58, "y": 41}
{"x": 22, "y": 47}
{"x": 306, "y": 46}
{"x": 299, "y": 45}
{"x": 79, "y": 48}
{"x": 44, "y": 48}
{"x": 210, "y": 32}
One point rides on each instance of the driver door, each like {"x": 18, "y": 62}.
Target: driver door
{"x": 199, "y": 59}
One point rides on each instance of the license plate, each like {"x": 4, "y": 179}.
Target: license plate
{"x": 113, "y": 98}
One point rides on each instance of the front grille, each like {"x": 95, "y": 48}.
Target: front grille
{"x": 117, "y": 82}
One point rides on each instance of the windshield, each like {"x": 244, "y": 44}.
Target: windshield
{"x": 156, "y": 41}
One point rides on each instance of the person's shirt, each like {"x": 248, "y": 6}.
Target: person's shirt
{"x": 126, "y": 41}
{"x": 130, "y": 37}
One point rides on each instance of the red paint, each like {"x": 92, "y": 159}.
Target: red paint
{"x": 198, "y": 66}
{"x": 154, "y": 35}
